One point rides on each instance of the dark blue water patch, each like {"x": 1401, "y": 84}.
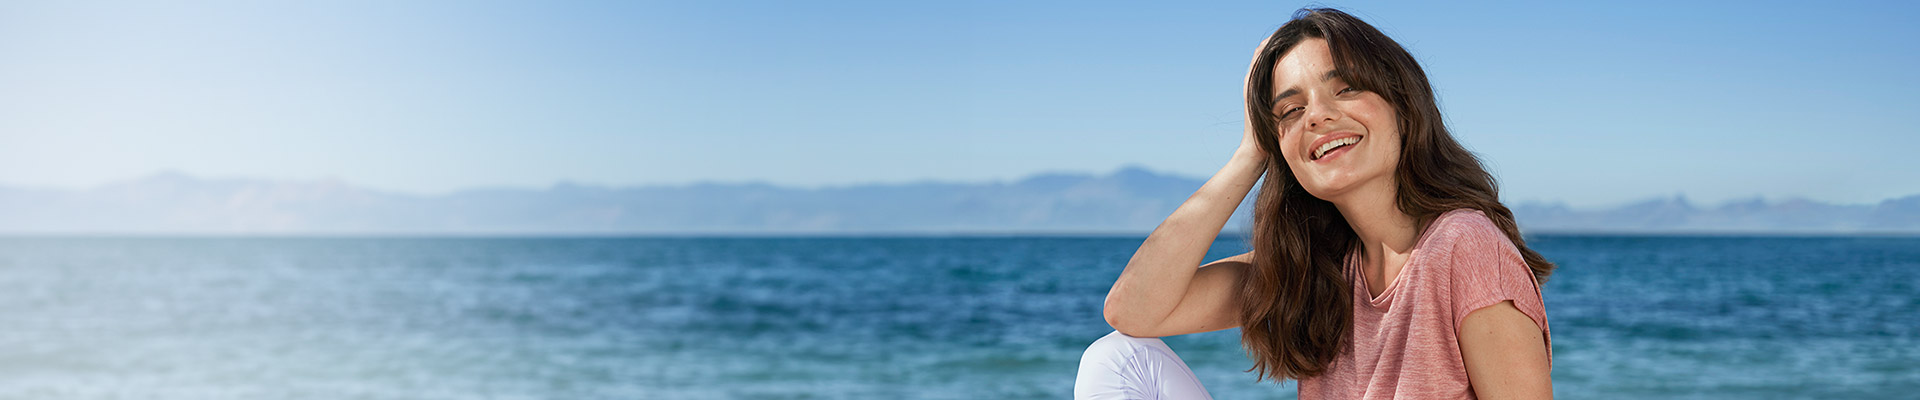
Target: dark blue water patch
{"x": 1712, "y": 288}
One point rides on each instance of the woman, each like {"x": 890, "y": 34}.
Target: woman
{"x": 1383, "y": 264}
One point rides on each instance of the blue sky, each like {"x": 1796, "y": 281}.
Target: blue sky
{"x": 1589, "y": 104}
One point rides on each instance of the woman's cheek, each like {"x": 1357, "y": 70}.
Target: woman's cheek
{"x": 1289, "y": 146}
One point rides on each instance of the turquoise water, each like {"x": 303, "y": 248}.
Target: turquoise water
{"x": 690, "y": 318}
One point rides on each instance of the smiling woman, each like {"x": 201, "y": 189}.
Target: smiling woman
{"x": 1383, "y": 263}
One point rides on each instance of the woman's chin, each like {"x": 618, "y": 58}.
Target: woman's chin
{"x": 1323, "y": 192}
{"x": 1333, "y": 188}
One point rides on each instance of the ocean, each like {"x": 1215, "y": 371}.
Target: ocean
{"x": 1645, "y": 317}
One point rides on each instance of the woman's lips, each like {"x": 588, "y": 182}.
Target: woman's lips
{"x": 1337, "y": 151}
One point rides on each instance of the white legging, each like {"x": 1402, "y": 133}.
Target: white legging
{"x": 1124, "y": 367}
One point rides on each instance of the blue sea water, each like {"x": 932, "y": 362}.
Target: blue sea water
{"x": 857, "y": 317}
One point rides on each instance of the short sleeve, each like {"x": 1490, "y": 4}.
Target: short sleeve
{"x": 1488, "y": 269}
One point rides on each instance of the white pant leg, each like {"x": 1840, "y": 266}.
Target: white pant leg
{"x": 1124, "y": 367}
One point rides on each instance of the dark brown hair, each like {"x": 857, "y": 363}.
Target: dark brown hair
{"x": 1297, "y": 302}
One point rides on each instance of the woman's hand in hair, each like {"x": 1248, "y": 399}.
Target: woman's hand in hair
{"x": 1249, "y": 143}
{"x": 1250, "y": 148}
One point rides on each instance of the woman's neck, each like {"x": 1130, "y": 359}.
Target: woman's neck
{"x": 1385, "y": 232}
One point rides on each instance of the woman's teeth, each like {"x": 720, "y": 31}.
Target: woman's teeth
{"x": 1334, "y": 144}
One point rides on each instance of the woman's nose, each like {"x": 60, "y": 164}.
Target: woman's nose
{"x": 1326, "y": 112}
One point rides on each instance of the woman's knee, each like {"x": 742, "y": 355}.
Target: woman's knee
{"x": 1107, "y": 370}
{"x": 1116, "y": 349}
{"x": 1118, "y": 366}
{"x": 1117, "y": 343}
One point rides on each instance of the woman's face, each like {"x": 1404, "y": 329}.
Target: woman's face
{"x": 1317, "y": 111}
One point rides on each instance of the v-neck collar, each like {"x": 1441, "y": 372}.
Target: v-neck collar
{"x": 1366, "y": 289}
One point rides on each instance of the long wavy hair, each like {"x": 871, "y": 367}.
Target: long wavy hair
{"x": 1297, "y": 301}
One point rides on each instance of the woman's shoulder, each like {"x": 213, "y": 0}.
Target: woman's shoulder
{"x": 1464, "y": 222}
{"x": 1467, "y": 227}
{"x": 1476, "y": 253}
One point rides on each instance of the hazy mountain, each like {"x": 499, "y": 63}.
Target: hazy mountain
{"x": 1131, "y": 200}
{"x": 1754, "y": 215}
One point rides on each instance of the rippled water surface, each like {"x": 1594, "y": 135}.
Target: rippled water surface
{"x": 671, "y": 318}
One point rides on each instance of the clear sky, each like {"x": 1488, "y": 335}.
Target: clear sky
{"x": 1590, "y": 104}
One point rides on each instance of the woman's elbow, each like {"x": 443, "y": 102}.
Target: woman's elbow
{"x": 1120, "y": 321}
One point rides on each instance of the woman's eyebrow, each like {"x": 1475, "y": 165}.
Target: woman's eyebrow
{"x": 1290, "y": 92}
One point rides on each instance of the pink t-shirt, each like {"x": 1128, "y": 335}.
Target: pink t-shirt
{"x": 1406, "y": 342}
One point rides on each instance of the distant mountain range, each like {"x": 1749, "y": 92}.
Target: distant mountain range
{"x": 1131, "y": 200}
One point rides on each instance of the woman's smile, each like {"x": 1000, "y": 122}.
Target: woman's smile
{"x": 1333, "y": 145}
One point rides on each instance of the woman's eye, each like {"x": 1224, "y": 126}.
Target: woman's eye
{"x": 1348, "y": 89}
{"x": 1289, "y": 112}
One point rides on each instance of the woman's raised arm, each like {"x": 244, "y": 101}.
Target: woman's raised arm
{"x": 1161, "y": 276}
{"x": 1164, "y": 291}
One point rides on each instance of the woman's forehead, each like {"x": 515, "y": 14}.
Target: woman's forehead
{"x": 1307, "y": 60}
